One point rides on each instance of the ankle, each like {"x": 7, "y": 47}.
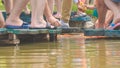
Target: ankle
{"x": 13, "y": 21}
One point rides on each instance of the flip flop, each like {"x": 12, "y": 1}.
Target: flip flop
{"x": 117, "y": 26}
{"x": 37, "y": 27}
{"x": 114, "y": 26}
{"x": 25, "y": 23}
{"x": 47, "y": 27}
{"x": 23, "y": 26}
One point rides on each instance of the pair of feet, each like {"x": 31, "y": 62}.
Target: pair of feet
{"x": 19, "y": 24}
{"x": 11, "y": 24}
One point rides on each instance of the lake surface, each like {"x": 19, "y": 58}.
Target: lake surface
{"x": 70, "y": 51}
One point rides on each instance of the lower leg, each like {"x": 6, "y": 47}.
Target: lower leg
{"x": 52, "y": 20}
{"x": 8, "y": 5}
{"x": 115, "y": 9}
{"x": 37, "y": 13}
{"x": 51, "y": 5}
{"x": 13, "y": 18}
{"x": 59, "y": 8}
{"x": 109, "y": 18}
{"x": 102, "y": 9}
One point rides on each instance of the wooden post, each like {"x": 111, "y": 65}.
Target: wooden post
{"x": 52, "y": 37}
{"x": 12, "y": 39}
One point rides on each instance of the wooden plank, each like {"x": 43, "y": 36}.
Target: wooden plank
{"x": 71, "y": 30}
{"x": 3, "y": 31}
{"x": 39, "y": 31}
{"x": 12, "y": 39}
{"x": 87, "y": 32}
{"x": 93, "y": 32}
{"x": 102, "y": 32}
{"x": 112, "y": 33}
{"x": 27, "y": 31}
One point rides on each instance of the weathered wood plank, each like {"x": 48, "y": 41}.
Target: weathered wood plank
{"x": 12, "y": 39}
{"x": 93, "y": 32}
{"x": 102, "y": 32}
{"x": 39, "y": 31}
{"x": 112, "y": 33}
{"x": 3, "y": 31}
{"x": 27, "y": 31}
{"x": 71, "y": 30}
{"x": 87, "y": 32}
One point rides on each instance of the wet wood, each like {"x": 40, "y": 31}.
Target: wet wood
{"x": 112, "y": 33}
{"x": 102, "y": 32}
{"x": 3, "y": 31}
{"x": 94, "y": 32}
{"x": 87, "y": 32}
{"x": 42, "y": 31}
{"x": 13, "y": 38}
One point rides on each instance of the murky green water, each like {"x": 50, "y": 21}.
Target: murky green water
{"x": 69, "y": 52}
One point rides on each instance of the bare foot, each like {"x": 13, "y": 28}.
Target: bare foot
{"x": 15, "y": 22}
{"x": 53, "y": 21}
{"x": 106, "y": 24}
{"x": 116, "y": 19}
{"x": 99, "y": 25}
{"x": 38, "y": 24}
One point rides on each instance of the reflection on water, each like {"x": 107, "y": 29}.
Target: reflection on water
{"x": 71, "y": 51}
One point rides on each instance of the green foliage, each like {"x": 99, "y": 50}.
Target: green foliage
{"x": 74, "y": 7}
{"x": 1, "y": 6}
{"x": 89, "y": 12}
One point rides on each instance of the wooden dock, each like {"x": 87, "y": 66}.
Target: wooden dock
{"x": 102, "y": 32}
{"x": 13, "y": 39}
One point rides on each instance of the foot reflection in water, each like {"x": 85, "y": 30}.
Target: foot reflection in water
{"x": 73, "y": 51}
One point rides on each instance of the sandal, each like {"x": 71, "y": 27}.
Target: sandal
{"x": 114, "y": 26}
{"x": 23, "y": 26}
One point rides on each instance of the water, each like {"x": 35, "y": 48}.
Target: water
{"x": 71, "y": 51}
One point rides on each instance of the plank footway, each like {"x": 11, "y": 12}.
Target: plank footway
{"x": 12, "y": 33}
